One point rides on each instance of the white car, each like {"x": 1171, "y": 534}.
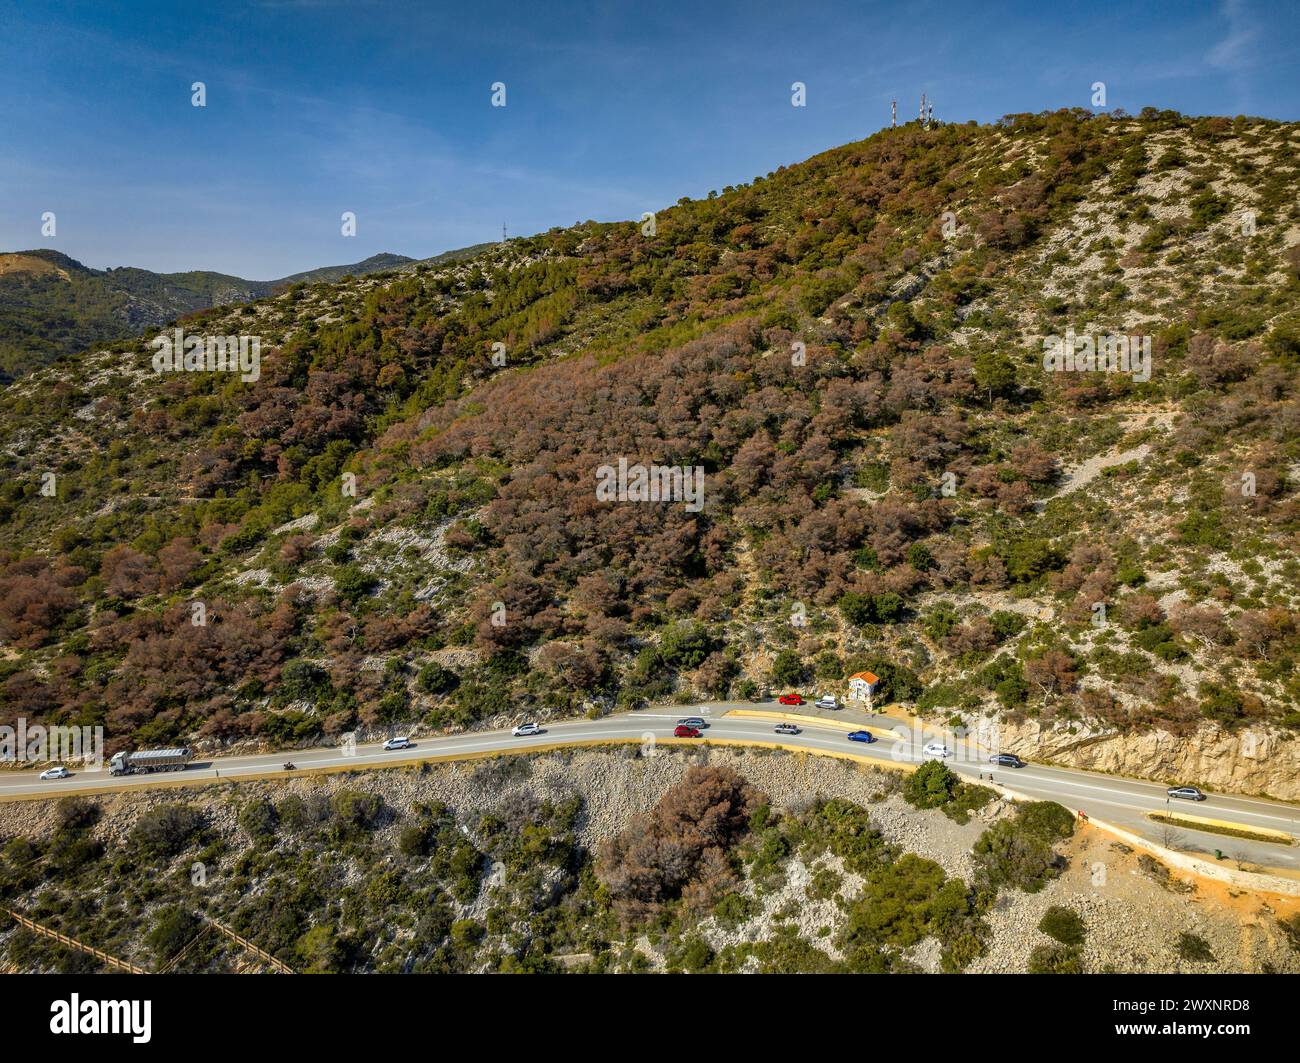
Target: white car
{"x": 527, "y": 729}
{"x": 401, "y": 742}
{"x": 59, "y": 772}
{"x": 935, "y": 751}
{"x": 826, "y": 701}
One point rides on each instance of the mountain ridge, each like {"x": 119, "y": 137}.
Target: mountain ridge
{"x": 49, "y": 312}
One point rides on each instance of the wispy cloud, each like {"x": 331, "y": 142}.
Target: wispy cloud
{"x": 1236, "y": 51}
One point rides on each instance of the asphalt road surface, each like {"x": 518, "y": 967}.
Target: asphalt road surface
{"x": 1122, "y": 802}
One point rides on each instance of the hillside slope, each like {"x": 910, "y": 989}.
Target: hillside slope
{"x": 399, "y": 523}
{"x": 51, "y": 304}
{"x": 592, "y": 862}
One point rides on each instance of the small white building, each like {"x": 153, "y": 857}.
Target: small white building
{"x": 863, "y": 686}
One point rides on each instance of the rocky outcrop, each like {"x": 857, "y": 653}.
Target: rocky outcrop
{"x": 1249, "y": 761}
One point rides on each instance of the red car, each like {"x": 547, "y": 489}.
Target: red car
{"x": 683, "y": 731}
{"x": 790, "y": 699}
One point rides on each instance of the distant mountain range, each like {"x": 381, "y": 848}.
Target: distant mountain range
{"x": 51, "y": 305}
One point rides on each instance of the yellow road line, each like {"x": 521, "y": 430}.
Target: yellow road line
{"x": 446, "y": 758}
{"x": 1174, "y": 818}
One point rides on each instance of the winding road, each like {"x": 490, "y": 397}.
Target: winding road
{"x": 1122, "y": 802}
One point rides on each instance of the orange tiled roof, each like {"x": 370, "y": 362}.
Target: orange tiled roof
{"x": 870, "y": 678}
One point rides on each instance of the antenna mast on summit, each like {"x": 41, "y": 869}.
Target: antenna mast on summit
{"x": 893, "y": 114}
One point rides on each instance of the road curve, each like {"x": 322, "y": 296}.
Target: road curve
{"x": 1123, "y": 802}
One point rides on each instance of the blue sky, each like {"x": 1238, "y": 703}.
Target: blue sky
{"x": 315, "y": 107}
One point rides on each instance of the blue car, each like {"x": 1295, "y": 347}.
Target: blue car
{"x": 861, "y": 736}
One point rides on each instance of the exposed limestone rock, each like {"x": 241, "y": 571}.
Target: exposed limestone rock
{"x": 1250, "y": 761}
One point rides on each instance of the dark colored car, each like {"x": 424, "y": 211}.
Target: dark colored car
{"x": 1007, "y": 760}
{"x": 682, "y": 731}
{"x": 790, "y": 699}
{"x": 861, "y": 736}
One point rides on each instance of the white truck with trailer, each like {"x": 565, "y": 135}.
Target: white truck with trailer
{"x": 144, "y": 761}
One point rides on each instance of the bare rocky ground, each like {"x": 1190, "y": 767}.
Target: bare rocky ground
{"x": 1135, "y": 914}
{"x": 1134, "y": 910}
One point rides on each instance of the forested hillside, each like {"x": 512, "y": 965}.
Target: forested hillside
{"x": 51, "y": 305}
{"x": 852, "y": 348}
